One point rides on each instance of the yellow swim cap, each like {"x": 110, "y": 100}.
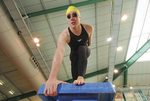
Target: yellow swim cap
{"x": 74, "y": 9}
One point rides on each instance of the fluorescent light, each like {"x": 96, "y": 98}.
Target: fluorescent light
{"x": 109, "y": 39}
{"x": 11, "y": 92}
{"x": 116, "y": 71}
{"x": 131, "y": 87}
{"x": 119, "y": 48}
{"x": 124, "y": 17}
{"x": 38, "y": 45}
{"x": 36, "y": 40}
{"x": 1, "y": 82}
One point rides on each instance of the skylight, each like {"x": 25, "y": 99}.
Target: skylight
{"x": 141, "y": 30}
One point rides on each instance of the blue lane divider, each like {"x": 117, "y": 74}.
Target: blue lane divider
{"x": 101, "y": 91}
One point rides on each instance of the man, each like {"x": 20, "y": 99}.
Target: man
{"x": 78, "y": 36}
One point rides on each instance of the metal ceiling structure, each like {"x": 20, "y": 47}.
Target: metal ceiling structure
{"x": 24, "y": 67}
{"x": 52, "y": 10}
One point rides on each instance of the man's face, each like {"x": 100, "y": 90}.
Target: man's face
{"x": 73, "y": 19}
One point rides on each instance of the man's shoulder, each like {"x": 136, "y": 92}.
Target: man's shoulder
{"x": 65, "y": 34}
{"x": 65, "y": 30}
{"x": 88, "y": 27}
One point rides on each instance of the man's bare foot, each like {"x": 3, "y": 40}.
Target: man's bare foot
{"x": 80, "y": 80}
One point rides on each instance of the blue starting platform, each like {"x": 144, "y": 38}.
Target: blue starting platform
{"x": 101, "y": 91}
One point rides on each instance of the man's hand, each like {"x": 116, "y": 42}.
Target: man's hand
{"x": 51, "y": 87}
{"x": 80, "y": 80}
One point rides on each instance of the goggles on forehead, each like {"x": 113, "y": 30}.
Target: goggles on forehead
{"x": 74, "y": 14}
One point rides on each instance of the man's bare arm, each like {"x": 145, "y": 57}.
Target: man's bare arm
{"x": 52, "y": 82}
{"x": 58, "y": 57}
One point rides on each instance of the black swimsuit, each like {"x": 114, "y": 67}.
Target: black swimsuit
{"x": 79, "y": 53}
{"x": 76, "y": 41}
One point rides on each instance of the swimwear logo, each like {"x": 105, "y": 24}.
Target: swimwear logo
{"x": 79, "y": 40}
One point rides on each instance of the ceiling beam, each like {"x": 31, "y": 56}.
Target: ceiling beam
{"x": 138, "y": 53}
{"x": 116, "y": 11}
{"x": 133, "y": 58}
{"x": 125, "y": 78}
{"x": 60, "y": 8}
{"x": 19, "y": 97}
{"x": 96, "y": 37}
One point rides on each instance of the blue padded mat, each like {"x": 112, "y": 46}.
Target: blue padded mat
{"x": 101, "y": 91}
